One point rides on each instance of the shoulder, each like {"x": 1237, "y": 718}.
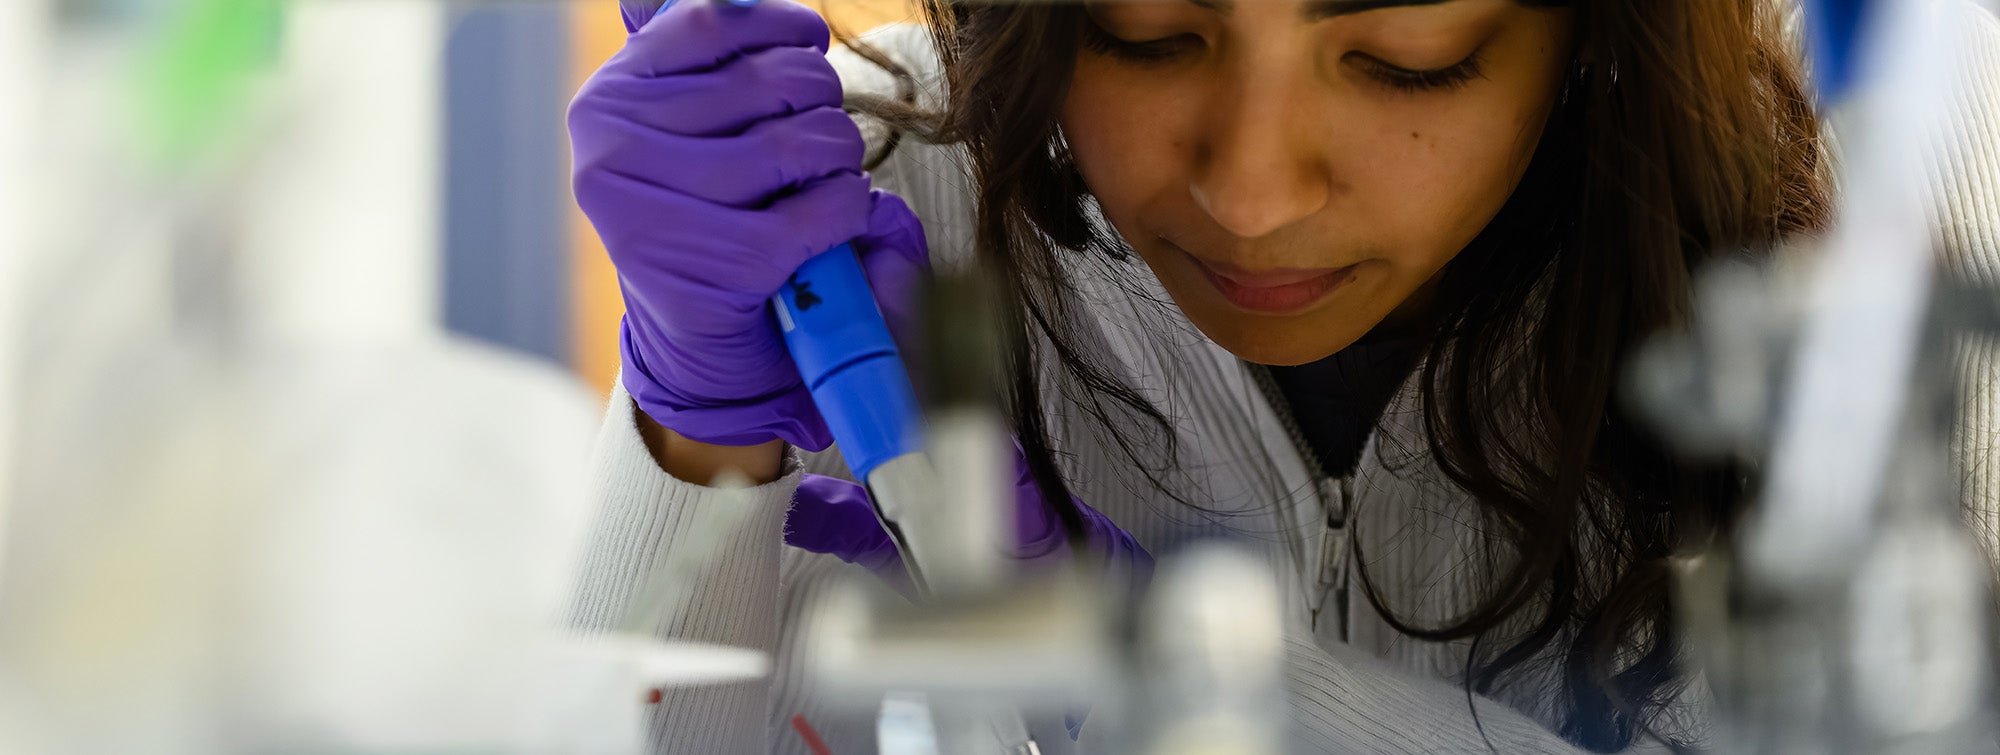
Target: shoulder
{"x": 936, "y": 180}
{"x": 907, "y": 44}
{"x": 1964, "y": 173}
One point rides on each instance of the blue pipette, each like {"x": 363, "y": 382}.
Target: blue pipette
{"x": 841, "y": 343}
{"x": 1834, "y": 28}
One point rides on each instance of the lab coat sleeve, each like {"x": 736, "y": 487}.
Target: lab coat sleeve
{"x": 1964, "y": 176}
{"x": 1347, "y": 701}
{"x": 934, "y": 179}
{"x": 642, "y": 512}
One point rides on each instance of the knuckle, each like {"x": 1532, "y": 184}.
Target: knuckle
{"x": 585, "y": 176}
{"x": 830, "y": 212}
{"x": 579, "y": 107}
{"x": 810, "y": 66}
{"x": 837, "y": 131}
{"x": 692, "y": 21}
{"x": 798, "y": 79}
{"x": 890, "y": 206}
{"x": 794, "y": 12}
{"x": 832, "y": 121}
{"x": 810, "y": 145}
{"x": 586, "y": 109}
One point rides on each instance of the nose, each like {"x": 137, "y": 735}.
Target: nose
{"x": 1258, "y": 168}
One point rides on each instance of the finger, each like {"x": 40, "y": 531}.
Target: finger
{"x": 751, "y": 169}
{"x": 897, "y": 262}
{"x": 821, "y": 215}
{"x": 637, "y": 12}
{"x": 657, "y": 358}
{"x": 741, "y": 350}
{"x": 699, "y": 35}
{"x": 746, "y": 250}
{"x": 725, "y": 101}
{"x": 1038, "y": 532}
{"x": 833, "y": 516}
{"x": 894, "y": 232}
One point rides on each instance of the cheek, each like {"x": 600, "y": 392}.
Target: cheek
{"x": 1118, "y": 131}
{"x": 1432, "y": 182}
{"x": 1438, "y": 169}
{"x": 1419, "y": 177}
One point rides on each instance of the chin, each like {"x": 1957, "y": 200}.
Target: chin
{"x": 1278, "y": 342}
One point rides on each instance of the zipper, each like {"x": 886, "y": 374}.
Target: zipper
{"x": 1333, "y": 571}
{"x": 1275, "y": 398}
{"x": 1332, "y": 494}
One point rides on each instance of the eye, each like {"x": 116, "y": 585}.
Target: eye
{"x": 1413, "y": 81}
{"x": 1096, "y": 39}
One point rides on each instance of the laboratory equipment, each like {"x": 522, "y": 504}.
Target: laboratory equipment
{"x": 1850, "y": 608}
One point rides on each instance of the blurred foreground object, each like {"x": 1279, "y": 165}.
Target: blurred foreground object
{"x": 258, "y": 500}
{"x": 1198, "y": 670}
{"x": 1185, "y": 663}
{"x": 1850, "y": 609}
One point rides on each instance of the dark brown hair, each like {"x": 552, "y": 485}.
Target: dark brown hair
{"x": 1683, "y": 132}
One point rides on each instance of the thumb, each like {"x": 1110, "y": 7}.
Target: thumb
{"x": 897, "y": 261}
{"x": 833, "y": 516}
{"x": 637, "y": 12}
{"x": 1038, "y": 531}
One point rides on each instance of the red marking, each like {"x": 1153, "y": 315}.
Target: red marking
{"x": 811, "y": 737}
{"x": 652, "y": 697}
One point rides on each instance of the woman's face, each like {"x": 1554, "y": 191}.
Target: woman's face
{"x": 1294, "y": 171}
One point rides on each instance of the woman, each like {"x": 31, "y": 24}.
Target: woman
{"x": 1349, "y": 277}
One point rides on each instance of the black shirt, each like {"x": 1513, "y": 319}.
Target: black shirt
{"x": 1336, "y": 402}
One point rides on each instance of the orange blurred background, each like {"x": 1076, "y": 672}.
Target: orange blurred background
{"x": 596, "y": 33}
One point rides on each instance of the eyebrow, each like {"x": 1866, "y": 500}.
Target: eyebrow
{"x": 1315, "y": 10}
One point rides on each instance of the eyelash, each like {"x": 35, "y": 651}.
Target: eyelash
{"x": 1447, "y": 79}
{"x": 1401, "y": 79}
{"x": 1157, "y": 51}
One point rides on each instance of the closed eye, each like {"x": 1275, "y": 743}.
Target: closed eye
{"x": 1414, "y": 80}
{"x": 1096, "y": 39}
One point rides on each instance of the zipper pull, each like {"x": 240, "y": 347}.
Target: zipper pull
{"x": 1334, "y": 540}
{"x": 1333, "y": 554}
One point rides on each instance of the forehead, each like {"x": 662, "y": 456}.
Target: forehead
{"x": 1314, "y": 10}
{"x": 1309, "y": 11}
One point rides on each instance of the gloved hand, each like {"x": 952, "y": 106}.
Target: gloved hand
{"x": 713, "y": 158}
{"x": 830, "y": 515}
{"x": 638, "y": 12}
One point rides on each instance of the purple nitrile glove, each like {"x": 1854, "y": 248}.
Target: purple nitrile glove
{"x": 833, "y": 516}
{"x": 638, "y": 12}
{"x": 713, "y": 158}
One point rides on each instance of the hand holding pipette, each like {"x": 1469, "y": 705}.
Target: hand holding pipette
{"x": 714, "y": 160}
{"x": 716, "y": 164}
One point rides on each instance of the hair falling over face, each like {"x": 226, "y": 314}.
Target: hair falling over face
{"x": 1684, "y": 131}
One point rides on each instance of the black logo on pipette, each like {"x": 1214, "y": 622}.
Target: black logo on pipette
{"x": 802, "y": 295}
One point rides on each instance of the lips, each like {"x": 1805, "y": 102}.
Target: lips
{"x": 1271, "y": 292}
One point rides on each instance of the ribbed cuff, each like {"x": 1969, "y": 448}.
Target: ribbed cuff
{"x": 642, "y": 511}
{"x": 788, "y": 415}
